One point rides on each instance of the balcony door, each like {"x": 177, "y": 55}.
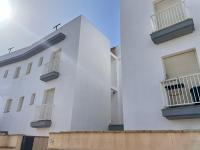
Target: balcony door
{"x": 55, "y": 60}
{"x": 55, "y": 56}
{"x": 181, "y": 64}
{"x": 163, "y": 5}
{"x": 48, "y": 97}
{"x": 168, "y": 12}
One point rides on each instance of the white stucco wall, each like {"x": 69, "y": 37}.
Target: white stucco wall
{"x": 73, "y": 86}
{"x": 25, "y": 85}
{"x": 142, "y": 68}
{"x": 91, "y": 109}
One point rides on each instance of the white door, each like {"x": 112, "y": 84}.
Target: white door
{"x": 181, "y": 65}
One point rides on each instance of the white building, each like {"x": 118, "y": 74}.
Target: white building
{"x": 61, "y": 83}
{"x": 160, "y": 65}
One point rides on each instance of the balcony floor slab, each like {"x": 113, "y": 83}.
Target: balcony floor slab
{"x": 174, "y": 31}
{"x": 182, "y": 112}
{"x": 41, "y": 124}
{"x": 49, "y": 76}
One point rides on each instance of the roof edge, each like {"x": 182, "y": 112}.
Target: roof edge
{"x": 34, "y": 50}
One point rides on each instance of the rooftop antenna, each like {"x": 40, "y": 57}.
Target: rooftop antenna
{"x": 56, "y": 27}
{"x": 10, "y": 49}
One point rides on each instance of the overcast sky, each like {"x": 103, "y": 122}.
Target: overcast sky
{"x": 34, "y": 19}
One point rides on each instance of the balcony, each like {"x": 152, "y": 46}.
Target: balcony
{"x": 50, "y": 71}
{"x": 43, "y": 115}
{"x": 171, "y": 23}
{"x": 182, "y": 97}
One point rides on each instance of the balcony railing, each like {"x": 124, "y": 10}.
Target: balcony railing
{"x": 169, "y": 16}
{"x": 51, "y": 71}
{"x": 52, "y": 66}
{"x": 43, "y": 112}
{"x": 182, "y": 90}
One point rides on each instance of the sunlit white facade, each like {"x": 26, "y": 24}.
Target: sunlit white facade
{"x": 61, "y": 83}
{"x": 160, "y": 64}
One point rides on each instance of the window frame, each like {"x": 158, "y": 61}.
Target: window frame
{"x": 40, "y": 62}
{"x": 5, "y": 75}
{"x": 17, "y": 72}
{"x": 29, "y": 67}
{"x": 32, "y": 101}
{"x": 175, "y": 54}
{"x": 45, "y": 100}
{"x": 8, "y": 104}
{"x": 20, "y": 103}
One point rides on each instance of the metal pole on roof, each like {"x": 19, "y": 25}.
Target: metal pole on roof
{"x": 56, "y": 27}
{"x": 10, "y": 49}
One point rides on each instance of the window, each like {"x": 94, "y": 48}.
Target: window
{"x": 8, "y": 106}
{"x": 28, "y": 71}
{"x": 5, "y": 74}
{"x": 17, "y": 72}
{"x": 20, "y": 104}
{"x": 32, "y": 99}
{"x": 40, "y": 61}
